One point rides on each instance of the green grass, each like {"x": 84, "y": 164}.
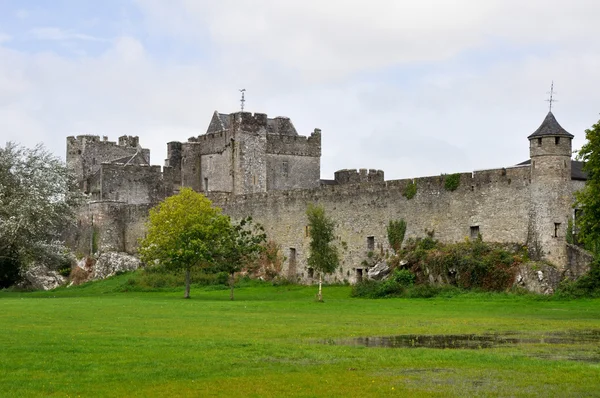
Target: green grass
{"x": 95, "y": 340}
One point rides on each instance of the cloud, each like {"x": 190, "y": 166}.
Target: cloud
{"x": 413, "y": 88}
{"x": 59, "y": 34}
{"x": 4, "y": 38}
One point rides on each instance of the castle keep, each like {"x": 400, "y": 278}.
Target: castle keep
{"x": 249, "y": 164}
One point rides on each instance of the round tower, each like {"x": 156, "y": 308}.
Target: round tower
{"x": 551, "y": 198}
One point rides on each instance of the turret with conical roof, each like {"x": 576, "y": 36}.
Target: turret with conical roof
{"x": 550, "y": 151}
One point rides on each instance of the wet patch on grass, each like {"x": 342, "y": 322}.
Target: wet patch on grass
{"x": 483, "y": 341}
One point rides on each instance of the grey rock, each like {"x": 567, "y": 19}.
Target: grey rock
{"x": 40, "y": 277}
{"x": 379, "y": 271}
{"x": 109, "y": 263}
{"x": 538, "y": 278}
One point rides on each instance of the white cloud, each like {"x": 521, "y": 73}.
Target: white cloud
{"x": 59, "y": 34}
{"x": 414, "y": 88}
{"x": 4, "y": 38}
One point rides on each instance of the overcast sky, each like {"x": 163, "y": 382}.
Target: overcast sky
{"x": 415, "y": 88}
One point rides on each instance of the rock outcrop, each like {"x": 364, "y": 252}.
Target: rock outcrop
{"x": 40, "y": 277}
{"x": 110, "y": 263}
{"x": 538, "y": 278}
{"x": 379, "y": 272}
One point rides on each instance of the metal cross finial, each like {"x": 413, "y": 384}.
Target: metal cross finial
{"x": 243, "y": 100}
{"x": 551, "y": 92}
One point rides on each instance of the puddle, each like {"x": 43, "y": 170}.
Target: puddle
{"x": 471, "y": 341}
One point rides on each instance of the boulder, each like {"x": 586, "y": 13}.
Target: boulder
{"x": 40, "y": 277}
{"x": 378, "y": 272}
{"x": 538, "y": 278}
{"x": 109, "y": 263}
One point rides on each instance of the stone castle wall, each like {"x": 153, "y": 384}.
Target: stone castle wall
{"x": 133, "y": 184}
{"x": 494, "y": 202}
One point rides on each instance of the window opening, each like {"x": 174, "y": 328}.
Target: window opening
{"x": 539, "y": 142}
{"x": 359, "y": 275}
{"x": 475, "y": 232}
{"x": 206, "y": 185}
{"x": 370, "y": 243}
{"x": 556, "y": 140}
{"x": 311, "y": 273}
{"x": 285, "y": 169}
{"x": 556, "y": 228}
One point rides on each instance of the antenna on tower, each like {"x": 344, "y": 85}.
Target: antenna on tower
{"x": 551, "y": 92}
{"x": 243, "y": 100}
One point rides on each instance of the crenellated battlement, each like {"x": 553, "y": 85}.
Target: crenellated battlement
{"x": 348, "y": 176}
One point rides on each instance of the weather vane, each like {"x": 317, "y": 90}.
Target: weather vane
{"x": 551, "y": 92}
{"x": 243, "y": 100}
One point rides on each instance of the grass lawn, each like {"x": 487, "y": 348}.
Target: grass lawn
{"x": 93, "y": 341}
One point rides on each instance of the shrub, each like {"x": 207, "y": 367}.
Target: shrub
{"x": 403, "y": 277}
{"x": 396, "y": 230}
{"x": 451, "y": 181}
{"x": 410, "y": 190}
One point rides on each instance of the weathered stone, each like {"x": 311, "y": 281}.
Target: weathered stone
{"x": 579, "y": 262}
{"x": 40, "y": 277}
{"x": 379, "y": 271}
{"x": 538, "y": 278}
{"x": 108, "y": 264}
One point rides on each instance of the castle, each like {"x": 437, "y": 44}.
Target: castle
{"x": 249, "y": 164}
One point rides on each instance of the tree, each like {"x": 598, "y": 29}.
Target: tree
{"x": 38, "y": 202}
{"x": 184, "y": 231}
{"x": 324, "y": 257}
{"x": 589, "y": 197}
{"x": 241, "y": 244}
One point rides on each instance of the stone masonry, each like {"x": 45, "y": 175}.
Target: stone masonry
{"x": 252, "y": 165}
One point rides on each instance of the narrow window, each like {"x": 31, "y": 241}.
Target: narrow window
{"x": 306, "y": 231}
{"x": 359, "y": 275}
{"x": 253, "y": 180}
{"x": 292, "y": 264}
{"x": 475, "y": 232}
{"x": 556, "y": 228}
{"x": 539, "y": 142}
{"x": 311, "y": 273}
{"x": 370, "y": 243}
{"x": 556, "y": 140}
{"x": 94, "y": 161}
{"x": 285, "y": 169}
{"x": 206, "y": 185}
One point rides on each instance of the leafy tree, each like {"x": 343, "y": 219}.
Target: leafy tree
{"x": 38, "y": 201}
{"x": 184, "y": 231}
{"x": 241, "y": 245}
{"x": 324, "y": 257}
{"x": 589, "y": 197}
{"x": 396, "y": 230}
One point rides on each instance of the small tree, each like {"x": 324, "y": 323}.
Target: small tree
{"x": 240, "y": 245}
{"x": 396, "y": 230}
{"x": 589, "y": 197}
{"x": 324, "y": 257}
{"x": 184, "y": 231}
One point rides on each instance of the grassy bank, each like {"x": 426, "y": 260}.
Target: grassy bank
{"x": 98, "y": 341}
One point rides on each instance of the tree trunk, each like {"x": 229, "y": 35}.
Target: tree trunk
{"x": 231, "y": 284}
{"x": 187, "y": 284}
{"x": 320, "y": 295}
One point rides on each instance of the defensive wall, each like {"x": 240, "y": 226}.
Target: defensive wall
{"x": 493, "y": 203}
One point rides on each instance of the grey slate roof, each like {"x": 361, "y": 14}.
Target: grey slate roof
{"x": 279, "y": 125}
{"x": 577, "y": 172}
{"x": 550, "y": 127}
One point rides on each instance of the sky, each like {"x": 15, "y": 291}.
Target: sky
{"x": 414, "y": 87}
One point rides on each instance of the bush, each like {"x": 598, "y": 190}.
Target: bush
{"x": 410, "y": 190}
{"x": 377, "y": 289}
{"x": 586, "y": 286}
{"x": 403, "y": 277}
{"x": 451, "y": 181}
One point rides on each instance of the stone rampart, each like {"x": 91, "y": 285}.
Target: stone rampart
{"x": 493, "y": 203}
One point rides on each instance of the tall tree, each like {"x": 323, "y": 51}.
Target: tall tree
{"x": 184, "y": 232}
{"x": 38, "y": 201}
{"x": 241, "y": 245}
{"x": 589, "y": 197}
{"x": 324, "y": 256}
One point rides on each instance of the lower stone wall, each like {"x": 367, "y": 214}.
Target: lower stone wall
{"x": 493, "y": 203}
